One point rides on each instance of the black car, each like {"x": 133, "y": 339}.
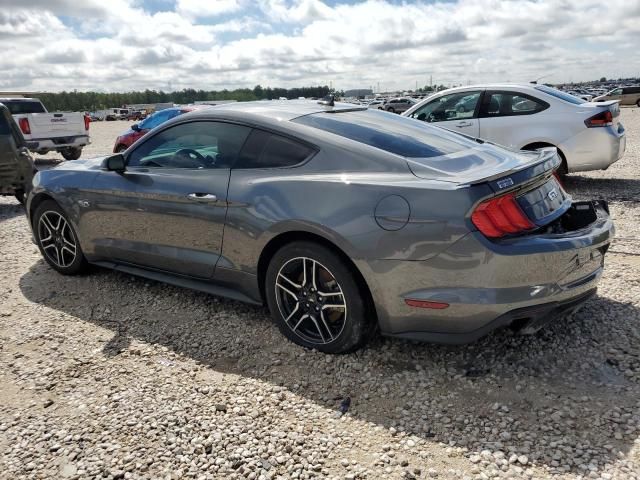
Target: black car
{"x": 16, "y": 165}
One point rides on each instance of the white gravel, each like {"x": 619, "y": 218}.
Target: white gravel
{"x": 107, "y": 376}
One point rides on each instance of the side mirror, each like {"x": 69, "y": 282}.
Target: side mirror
{"x": 114, "y": 163}
{"x": 135, "y": 127}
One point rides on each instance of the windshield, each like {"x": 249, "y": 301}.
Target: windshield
{"x": 19, "y": 107}
{"x": 389, "y": 132}
{"x": 567, "y": 97}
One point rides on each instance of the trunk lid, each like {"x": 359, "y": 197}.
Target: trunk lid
{"x": 487, "y": 163}
{"x": 529, "y": 176}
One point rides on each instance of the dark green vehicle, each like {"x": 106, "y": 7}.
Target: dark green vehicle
{"x": 16, "y": 165}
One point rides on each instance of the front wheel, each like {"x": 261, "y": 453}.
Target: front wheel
{"x": 638, "y": 103}
{"x": 19, "y": 196}
{"x": 71, "y": 153}
{"x": 391, "y": 109}
{"x": 57, "y": 240}
{"x": 315, "y": 300}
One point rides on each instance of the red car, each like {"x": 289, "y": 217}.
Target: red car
{"x": 138, "y": 130}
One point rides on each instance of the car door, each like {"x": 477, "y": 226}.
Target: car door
{"x": 509, "y": 118}
{"x": 16, "y": 166}
{"x": 168, "y": 208}
{"x": 454, "y": 111}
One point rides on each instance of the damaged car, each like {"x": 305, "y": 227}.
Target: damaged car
{"x": 343, "y": 220}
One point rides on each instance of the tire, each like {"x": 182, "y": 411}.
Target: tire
{"x": 312, "y": 323}
{"x": 638, "y": 103}
{"x": 391, "y": 109}
{"x": 57, "y": 252}
{"x": 120, "y": 148}
{"x": 19, "y": 196}
{"x": 71, "y": 153}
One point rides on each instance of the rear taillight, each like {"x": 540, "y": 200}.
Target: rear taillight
{"x": 500, "y": 216}
{"x": 24, "y": 126}
{"x": 602, "y": 119}
{"x": 87, "y": 121}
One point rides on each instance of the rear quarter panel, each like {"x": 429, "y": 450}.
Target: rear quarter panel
{"x": 339, "y": 205}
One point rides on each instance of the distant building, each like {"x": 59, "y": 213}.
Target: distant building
{"x": 358, "y": 92}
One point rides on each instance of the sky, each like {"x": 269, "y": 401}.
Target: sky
{"x": 123, "y": 45}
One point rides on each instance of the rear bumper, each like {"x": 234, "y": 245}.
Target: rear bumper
{"x": 484, "y": 283}
{"x": 526, "y": 321}
{"x": 595, "y": 148}
{"x": 46, "y": 144}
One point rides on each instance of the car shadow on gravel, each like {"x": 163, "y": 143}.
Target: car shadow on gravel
{"x": 561, "y": 398}
{"x": 613, "y": 189}
{"x": 10, "y": 210}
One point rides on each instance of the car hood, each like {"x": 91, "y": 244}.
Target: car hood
{"x": 482, "y": 163}
{"x": 84, "y": 164}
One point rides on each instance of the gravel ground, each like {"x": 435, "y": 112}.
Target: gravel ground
{"x": 110, "y": 376}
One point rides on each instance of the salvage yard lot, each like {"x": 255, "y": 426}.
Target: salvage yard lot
{"x": 111, "y": 376}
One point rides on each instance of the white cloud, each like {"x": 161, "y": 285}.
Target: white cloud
{"x": 206, "y": 8}
{"x": 117, "y": 45}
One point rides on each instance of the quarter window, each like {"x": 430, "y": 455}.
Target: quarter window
{"x": 267, "y": 150}
{"x": 505, "y": 104}
{"x": 455, "y": 106}
{"x": 194, "y": 145}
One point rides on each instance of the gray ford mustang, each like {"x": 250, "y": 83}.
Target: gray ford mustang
{"x": 343, "y": 220}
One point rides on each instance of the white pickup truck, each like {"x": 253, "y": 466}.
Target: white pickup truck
{"x": 66, "y": 133}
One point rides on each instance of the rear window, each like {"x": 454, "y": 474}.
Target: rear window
{"x": 19, "y": 107}
{"x": 389, "y": 132}
{"x": 567, "y": 97}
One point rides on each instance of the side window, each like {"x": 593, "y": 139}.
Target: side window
{"x": 267, "y": 150}
{"x": 194, "y": 145}
{"x": 505, "y": 104}
{"x": 455, "y": 106}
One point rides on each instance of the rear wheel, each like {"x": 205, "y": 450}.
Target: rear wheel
{"x": 638, "y": 103}
{"x": 57, "y": 240}
{"x": 19, "y": 196}
{"x": 71, "y": 153}
{"x": 315, "y": 299}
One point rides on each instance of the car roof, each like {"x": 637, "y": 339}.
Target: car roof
{"x": 274, "y": 109}
{"x": 496, "y": 86}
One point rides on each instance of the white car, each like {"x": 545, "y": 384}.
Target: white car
{"x": 587, "y": 97}
{"x": 44, "y": 131}
{"x": 587, "y": 135}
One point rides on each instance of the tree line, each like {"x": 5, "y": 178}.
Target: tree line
{"x": 93, "y": 101}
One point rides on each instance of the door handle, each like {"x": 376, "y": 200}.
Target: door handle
{"x": 202, "y": 197}
{"x": 463, "y": 124}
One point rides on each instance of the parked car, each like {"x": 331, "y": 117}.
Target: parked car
{"x": 625, "y": 95}
{"x": 377, "y": 104}
{"x": 138, "y": 130}
{"x": 135, "y": 115}
{"x": 398, "y": 105}
{"x": 341, "y": 219}
{"x": 587, "y": 97}
{"x": 66, "y": 133}
{"x": 588, "y": 136}
{"x": 16, "y": 165}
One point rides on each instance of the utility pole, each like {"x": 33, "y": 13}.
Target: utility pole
{"x": 431, "y": 81}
